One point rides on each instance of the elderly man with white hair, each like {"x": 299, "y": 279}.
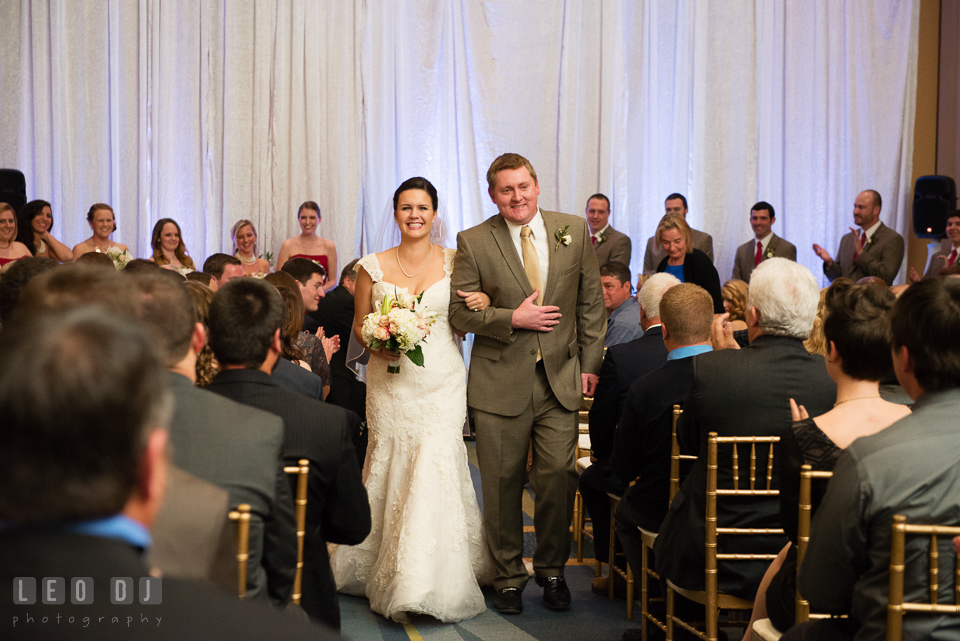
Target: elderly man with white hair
{"x": 745, "y": 392}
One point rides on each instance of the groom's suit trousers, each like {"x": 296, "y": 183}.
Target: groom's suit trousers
{"x": 502, "y": 446}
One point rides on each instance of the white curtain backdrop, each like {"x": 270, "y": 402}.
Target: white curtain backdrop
{"x": 208, "y": 111}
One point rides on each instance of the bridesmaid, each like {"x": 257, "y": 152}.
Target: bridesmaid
{"x": 244, "y": 236}
{"x": 103, "y": 223}
{"x": 310, "y": 246}
{"x": 10, "y": 249}
{"x": 168, "y": 248}
{"x": 33, "y": 230}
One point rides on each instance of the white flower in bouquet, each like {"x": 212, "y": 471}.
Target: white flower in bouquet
{"x": 399, "y": 325}
{"x": 120, "y": 257}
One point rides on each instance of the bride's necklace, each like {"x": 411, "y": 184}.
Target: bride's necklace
{"x": 397, "y": 249}
{"x": 858, "y": 398}
{"x": 247, "y": 261}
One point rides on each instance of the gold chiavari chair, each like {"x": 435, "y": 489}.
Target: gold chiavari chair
{"x": 711, "y": 597}
{"x": 649, "y": 538}
{"x": 626, "y": 573}
{"x": 242, "y": 516}
{"x": 896, "y": 606}
{"x": 807, "y": 474}
{"x": 302, "y": 471}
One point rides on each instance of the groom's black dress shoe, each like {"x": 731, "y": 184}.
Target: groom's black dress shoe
{"x": 508, "y": 601}
{"x": 556, "y": 594}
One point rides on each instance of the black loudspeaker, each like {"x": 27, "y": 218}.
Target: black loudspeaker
{"x": 13, "y": 188}
{"x": 934, "y": 200}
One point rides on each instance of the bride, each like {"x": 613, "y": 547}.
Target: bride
{"x": 425, "y": 553}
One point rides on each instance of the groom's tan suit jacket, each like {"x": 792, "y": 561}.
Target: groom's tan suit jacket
{"x": 503, "y": 361}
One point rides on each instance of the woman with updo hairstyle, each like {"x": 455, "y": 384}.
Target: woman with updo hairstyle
{"x": 168, "y": 248}
{"x": 857, "y": 330}
{"x": 684, "y": 261}
{"x": 734, "y": 294}
{"x": 10, "y": 248}
{"x": 244, "y": 237}
{"x": 309, "y": 245}
{"x": 816, "y": 343}
{"x": 33, "y": 230}
{"x": 102, "y": 222}
{"x": 207, "y": 366}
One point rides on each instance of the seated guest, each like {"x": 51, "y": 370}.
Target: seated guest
{"x": 15, "y": 278}
{"x": 765, "y": 243}
{"x": 675, "y": 204}
{"x": 168, "y": 248}
{"x": 202, "y": 296}
{"x": 610, "y": 244}
{"x": 335, "y": 316}
{"x": 745, "y": 392}
{"x": 944, "y": 257}
{"x": 204, "y": 279}
{"x": 857, "y": 331}
{"x": 244, "y": 237}
{"x": 96, "y": 258}
{"x": 83, "y": 467}
{"x": 308, "y": 245}
{"x": 34, "y": 225}
{"x": 222, "y": 268}
{"x": 622, "y": 365}
{"x": 683, "y": 261}
{"x": 223, "y": 442}
{"x": 817, "y": 342}
{"x": 734, "y": 294}
{"x": 245, "y": 325}
{"x": 642, "y": 447}
{"x": 103, "y": 223}
{"x": 624, "y": 310}
{"x": 910, "y": 468}
{"x": 10, "y": 248}
{"x": 310, "y": 278}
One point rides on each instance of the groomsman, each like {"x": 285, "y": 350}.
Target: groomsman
{"x": 765, "y": 244}
{"x": 675, "y": 204}
{"x": 609, "y": 243}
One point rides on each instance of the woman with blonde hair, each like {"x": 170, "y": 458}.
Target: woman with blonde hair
{"x": 817, "y": 343}
{"x": 685, "y": 262}
{"x": 202, "y": 296}
{"x": 10, "y": 248}
{"x": 168, "y": 248}
{"x": 244, "y": 237}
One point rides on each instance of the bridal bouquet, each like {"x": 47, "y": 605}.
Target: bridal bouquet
{"x": 399, "y": 325}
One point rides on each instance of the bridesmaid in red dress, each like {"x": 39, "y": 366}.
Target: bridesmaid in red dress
{"x": 10, "y": 249}
{"x": 310, "y": 246}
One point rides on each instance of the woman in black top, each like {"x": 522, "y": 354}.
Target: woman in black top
{"x": 683, "y": 261}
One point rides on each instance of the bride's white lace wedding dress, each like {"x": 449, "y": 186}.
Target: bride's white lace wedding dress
{"x": 425, "y": 552}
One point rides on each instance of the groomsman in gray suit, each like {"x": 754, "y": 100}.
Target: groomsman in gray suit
{"x": 765, "y": 244}
{"x": 874, "y": 250}
{"x": 609, "y": 243}
{"x": 675, "y": 204}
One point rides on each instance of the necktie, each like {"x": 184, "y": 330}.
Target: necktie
{"x": 863, "y": 243}
{"x": 759, "y": 257}
{"x": 531, "y": 263}
{"x": 953, "y": 257}
{"x": 593, "y": 239}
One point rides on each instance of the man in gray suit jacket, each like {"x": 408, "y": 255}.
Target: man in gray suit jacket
{"x": 537, "y": 351}
{"x": 876, "y": 250}
{"x": 609, "y": 243}
{"x": 223, "y": 442}
{"x": 675, "y": 204}
{"x": 765, "y": 244}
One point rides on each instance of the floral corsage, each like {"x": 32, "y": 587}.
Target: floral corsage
{"x": 562, "y": 236}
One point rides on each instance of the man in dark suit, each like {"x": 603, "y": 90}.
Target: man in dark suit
{"x": 622, "y": 365}
{"x": 745, "y": 392}
{"x": 675, "y": 204}
{"x": 609, "y": 243}
{"x": 642, "y": 446}
{"x": 875, "y": 250}
{"x": 335, "y": 315}
{"x": 245, "y": 320}
{"x": 82, "y": 475}
{"x": 223, "y": 442}
{"x": 765, "y": 244}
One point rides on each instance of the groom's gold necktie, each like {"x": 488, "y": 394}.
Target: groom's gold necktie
{"x": 531, "y": 263}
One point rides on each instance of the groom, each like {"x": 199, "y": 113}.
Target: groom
{"x": 537, "y": 350}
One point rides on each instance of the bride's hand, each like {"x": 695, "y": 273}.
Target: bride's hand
{"x": 477, "y": 301}
{"x": 385, "y": 354}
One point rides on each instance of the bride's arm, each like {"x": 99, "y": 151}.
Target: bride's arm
{"x": 362, "y": 306}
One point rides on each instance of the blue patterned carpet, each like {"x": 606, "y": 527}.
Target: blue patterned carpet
{"x": 590, "y": 617}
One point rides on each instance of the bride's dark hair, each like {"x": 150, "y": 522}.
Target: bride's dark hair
{"x": 420, "y": 183}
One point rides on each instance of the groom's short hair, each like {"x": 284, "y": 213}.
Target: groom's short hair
{"x": 508, "y": 161}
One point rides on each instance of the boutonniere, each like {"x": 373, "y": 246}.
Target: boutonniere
{"x": 769, "y": 253}
{"x": 562, "y": 236}
{"x": 601, "y": 237}
{"x": 871, "y": 240}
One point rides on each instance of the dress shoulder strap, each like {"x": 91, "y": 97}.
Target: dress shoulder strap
{"x": 448, "y": 256}
{"x": 372, "y": 267}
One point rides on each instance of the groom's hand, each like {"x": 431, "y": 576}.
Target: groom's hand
{"x": 534, "y": 317}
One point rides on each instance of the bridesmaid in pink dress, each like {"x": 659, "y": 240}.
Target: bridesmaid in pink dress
{"x": 310, "y": 246}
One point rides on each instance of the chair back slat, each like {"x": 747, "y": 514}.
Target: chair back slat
{"x": 753, "y": 466}
{"x": 242, "y": 516}
{"x": 736, "y": 468}
{"x": 302, "y": 472}
{"x": 675, "y": 455}
{"x": 803, "y": 529}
